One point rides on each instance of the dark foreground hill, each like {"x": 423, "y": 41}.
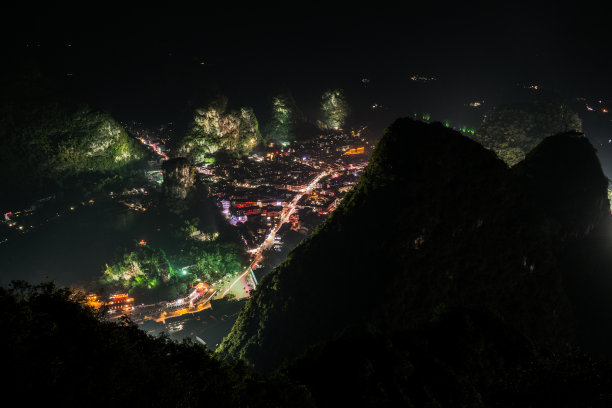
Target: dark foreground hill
{"x": 57, "y": 353}
{"x": 444, "y": 252}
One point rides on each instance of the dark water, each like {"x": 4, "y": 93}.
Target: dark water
{"x": 73, "y": 249}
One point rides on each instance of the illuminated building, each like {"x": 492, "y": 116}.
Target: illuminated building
{"x": 120, "y": 301}
{"x": 226, "y": 207}
{"x": 356, "y": 150}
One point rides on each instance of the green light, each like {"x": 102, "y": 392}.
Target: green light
{"x": 334, "y": 107}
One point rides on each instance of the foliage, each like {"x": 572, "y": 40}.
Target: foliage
{"x": 216, "y": 129}
{"x": 335, "y": 108}
{"x": 512, "y": 131}
{"x": 464, "y": 359}
{"x": 286, "y": 117}
{"x": 60, "y": 354}
{"x": 52, "y": 146}
{"x": 180, "y": 248}
{"x": 141, "y": 267}
{"x": 213, "y": 261}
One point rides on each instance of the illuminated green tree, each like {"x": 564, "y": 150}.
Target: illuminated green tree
{"x": 142, "y": 267}
{"x": 286, "y": 116}
{"x": 335, "y": 108}
{"x": 512, "y": 131}
{"x": 215, "y": 129}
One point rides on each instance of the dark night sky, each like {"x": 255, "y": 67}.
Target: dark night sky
{"x": 147, "y": 66}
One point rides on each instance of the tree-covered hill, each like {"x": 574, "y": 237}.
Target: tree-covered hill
{"x": 58, "y": 353}
{"x": 513, "y": 130}
{"x": 52, "y": 146}
{"x": 437, "y": 223}
{"x": 287, "y": 122}
{"x": 217, "y": 129}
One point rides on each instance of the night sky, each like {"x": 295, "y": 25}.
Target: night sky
{"x": 155, "y": 66}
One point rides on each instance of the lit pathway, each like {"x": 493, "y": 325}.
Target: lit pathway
{"x": 266, "y": 244}
{"x": 269, "y": 241}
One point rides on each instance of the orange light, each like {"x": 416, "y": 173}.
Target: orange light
{"x": 142, "y": 242}
{"x": 604, "y": 110}
{"x": 358, "y": 150}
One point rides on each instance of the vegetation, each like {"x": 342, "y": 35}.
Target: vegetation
{"x": 286, "y": 119}
{"x": 191, "y": 251}
{"x": 213, "y": 261}
{"x": 54, "y": 147}
{"x": 335, "y": 108}
{"x": 142, "y": 267}
{"x": 216, "y": 129}
{"x": 60, "y": 353}
{"x": 512, "y": 131}
{"x": 463, "y": 359}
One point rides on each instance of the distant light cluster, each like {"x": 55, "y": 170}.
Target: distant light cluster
{"x": 596, "y": 106}
{"x": 422, "y": 78}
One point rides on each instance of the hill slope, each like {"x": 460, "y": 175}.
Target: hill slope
{"x": 436, "y": 223}
{"x": 54, "y": 147}
{"x": 59, "y": 353}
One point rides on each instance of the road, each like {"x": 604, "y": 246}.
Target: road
{"x": 269, "y": 241}
{"x": 221, "y": 292}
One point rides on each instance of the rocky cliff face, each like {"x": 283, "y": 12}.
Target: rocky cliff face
{"x": 179, "y": 184}
{"x": 436, "y": 223}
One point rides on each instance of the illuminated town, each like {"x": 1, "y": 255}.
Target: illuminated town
{"x": 289, "y": 205}
{"x": 275, "y": 197}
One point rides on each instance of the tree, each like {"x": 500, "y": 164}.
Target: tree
{"x": 48, "y": 147}
{"x": 141, "y": 267}
{"x": 215, "y": 129}
{"x": 335, "y": 108}
{"x": 286, "y": 117}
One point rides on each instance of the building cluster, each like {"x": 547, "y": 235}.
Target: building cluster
{"x": 254, "y": 193}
